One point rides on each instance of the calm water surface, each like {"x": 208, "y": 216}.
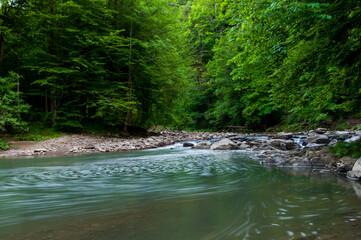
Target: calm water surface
{"x": 172, "y": 194}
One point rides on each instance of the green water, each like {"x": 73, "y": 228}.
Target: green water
{"x": 172, "y": 194}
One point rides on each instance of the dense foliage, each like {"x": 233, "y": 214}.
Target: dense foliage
{"x": 185, "y": 63}
{"x": 11, "y": 104}
{"x": 116, "y": 62}
{"x": 263, "y": 62}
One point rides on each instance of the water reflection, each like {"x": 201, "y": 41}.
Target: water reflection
{"x": 171, "y": 194}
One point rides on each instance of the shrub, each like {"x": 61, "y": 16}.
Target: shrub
{"x": 342, "y": 149}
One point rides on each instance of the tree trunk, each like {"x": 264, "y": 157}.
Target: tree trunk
{"x": 129, "y": 115}
{"x": 2, "y": 39}
{"x": 53, "y": 105}
{"x": 5, "y": 10}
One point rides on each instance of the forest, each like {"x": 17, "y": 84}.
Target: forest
{"x": 185, "y": 64}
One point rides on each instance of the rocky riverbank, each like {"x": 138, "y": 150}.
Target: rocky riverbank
{"x": 85, "y": 143}
{"x": 301, "y": 149}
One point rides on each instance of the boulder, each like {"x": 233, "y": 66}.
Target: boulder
{"x": 202, "y": 145}
{"x": 281, "y": 144}
{"x": 283, "y": 135}
{"x": 356, "y": 138}
{"x": 317, "y": 138}
{"x": 224, "y": 144}
{"x": 342, "y": 135}
{"x": 321, "y": 130}
{"x": 188, "y": 144}
{"x": 321, "y": 158}
{"x": 345, "y": 164}
{"x": 243, "y": 146}
{"x": 355, "y": 173}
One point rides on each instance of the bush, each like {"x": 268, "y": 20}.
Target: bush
{"x": 342, "y": 149}
{"x": 4, "y": 145}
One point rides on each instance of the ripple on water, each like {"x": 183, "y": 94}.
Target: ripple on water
{"x": 218, "y": 194}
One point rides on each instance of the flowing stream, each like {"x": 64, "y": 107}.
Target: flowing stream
{"x": 172, "y": 194}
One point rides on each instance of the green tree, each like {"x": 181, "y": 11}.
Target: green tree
{"x": 11, "y": 104}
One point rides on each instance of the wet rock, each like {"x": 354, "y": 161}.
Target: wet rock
{"x": 300, "y": 162}
{"x": 40, "y": 150}
{"x": 317, "y": 138}
{"x": 188, "y": 144}
{"x": 203, "y": 145}
{"x": 260, "y": 155}
{"x": 357, "y": 187}
{"x": 283, "y": 135}
{"x": 284, "y": 163}
{"x": 314, "y": 146}
{"x": 243, "y": 146}
{"x": 268, "y": 161}
{"x": 345, "y": 164}
{"x": 281, "y": 144}
{"x": 325, "y": 170}
{"x": 356, "y": 138}
{"x": 224, "y": 144}
{"x": 322, "y": 158}
{"x": 342, "y": 135}
{"x": 355, "y": 173}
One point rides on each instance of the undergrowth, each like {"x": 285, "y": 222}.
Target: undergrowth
{"x": 342, "y": 149}
{"x": 4, "y": 145}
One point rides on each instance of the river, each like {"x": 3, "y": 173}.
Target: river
{"x": 172, "y": 193}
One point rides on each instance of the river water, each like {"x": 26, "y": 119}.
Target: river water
{"x": 172, "y": 194}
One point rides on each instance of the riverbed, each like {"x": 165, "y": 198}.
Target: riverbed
{"x": 172, "y": 193}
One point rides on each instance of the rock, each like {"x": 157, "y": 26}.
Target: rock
{"x": 283, "y": 135}
{"x": 202, "y": 145}
{"x": 345, "y": 164}
{"x": 239, "y": 138}
{"x": 188, "y": 144}
{"x": 321, "y": 158}
{"x": 268, "y": 161}
{"x": 314, "y": 146}
{"x": 89, "y": 147}
{"x": 357, "y": 187}
{"x": 281, "y": 144}
{"x": 321, "y": 130}
{"x": 40, "y": 150}
{"x": 300, "y": 162}
{"x": 317, "y": 162}
{"x": 243, "y": 146}
{"x": 317, "y": 138}
{"x": 284, "y": 163}
{"x": 342, "y": 135}
{"x": 260, "y": 156}
{"x": 355, "y": 173}
{"x": 224, "y": 144}
{"x": 355, "y": 139}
